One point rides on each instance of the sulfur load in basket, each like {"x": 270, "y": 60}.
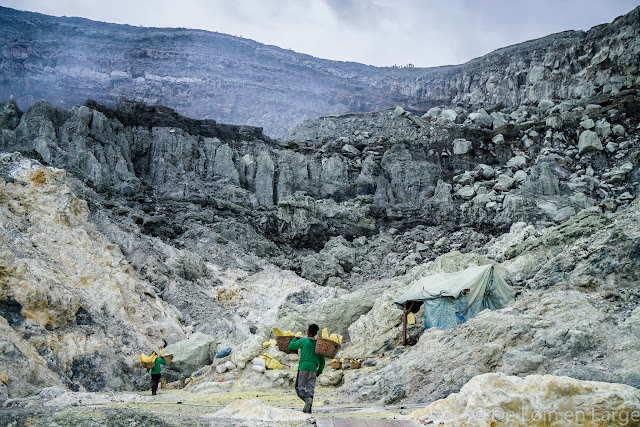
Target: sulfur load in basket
{"x": 328, "y": 345}
{"x": 284, "y": 338}
{"x": 148, "y": 361}
{"x": 283, "y": 343}
{"x": 327, "y": 348}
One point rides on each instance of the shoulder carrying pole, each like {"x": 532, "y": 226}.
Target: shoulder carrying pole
{"x": 404, "y": 324}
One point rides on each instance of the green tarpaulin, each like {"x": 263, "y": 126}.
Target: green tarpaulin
{"x": 453, "y": 298}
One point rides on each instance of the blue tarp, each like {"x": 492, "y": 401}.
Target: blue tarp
{"x": 453, "y": 298}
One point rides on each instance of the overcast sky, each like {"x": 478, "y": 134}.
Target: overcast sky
{"x": 376, "y": 32}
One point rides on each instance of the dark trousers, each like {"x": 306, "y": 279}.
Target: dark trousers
{"x": 305, "y": 384}
{"x": 155, "y": 380}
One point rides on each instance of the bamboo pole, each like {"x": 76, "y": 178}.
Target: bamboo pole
{"x": 404, "y": 325}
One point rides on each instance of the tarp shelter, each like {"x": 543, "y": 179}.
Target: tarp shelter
{"x": 453, "y": 298}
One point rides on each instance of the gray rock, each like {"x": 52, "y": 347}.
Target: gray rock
{"x": 462, "y": 146}
{"x": 265, "y": 170}
{"x": 589, "y": 141}
{"x": 587, "y": 123}
{"x": 498, "y": 139}
{"x": 467, "y": 192}
{"x": 481, "y": 118}
{"x": 330, "y": 377}
{"x": 618, "y": 130}
{"x": 482, "y": 199}
{"x": 505, "y": 181}
{"x": 499, "y": 120}
{"x": 449, "y": 115}
{"x": 553, "y": 121}
{"x": 10, "y": 114}
{"x": 517, "y": 162}
{"x": 193, "y": 353}
{"x": 626, "y": 167}
{"x": 545, "y": 105}
{"x": 351, "y": 149}
{"x": 487, "y": 172}
{"x": 603, "y": 128}
{"x": 554, "y": 211}
{"x": 521, "y": 362}
{"x": 519, "y": 176}
{"x": 433, "y": 112}
{"x": 320, "y": 267}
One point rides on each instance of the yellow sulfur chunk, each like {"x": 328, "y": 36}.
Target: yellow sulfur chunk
{"x": 278, "y": 332}
{"x": 411, "y": 319}
{"x": 325, "y": 334}
{"x": 266, "y": 344}
{"x": 148, "y": 359}
{"x": 298, "y": 334}
{"x": 270, "y": 362}
{"x": 336, "y": 338}
{"x": 342, "y": 360}
{"x": 288, "y": 334}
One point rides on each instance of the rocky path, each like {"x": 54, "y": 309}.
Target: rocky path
{"x": 355, "y": 422}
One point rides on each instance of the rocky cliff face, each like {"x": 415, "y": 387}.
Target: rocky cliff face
{"x": 73, "y": 311}
{"x": 212, "y": 214}
{"x": 211, "y": 75}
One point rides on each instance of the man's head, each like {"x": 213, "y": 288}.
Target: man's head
{"x": 313, "y": 330}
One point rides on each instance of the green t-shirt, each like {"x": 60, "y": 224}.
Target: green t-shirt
{"x": 309, "y": 360}
{"x": 156, "y": 367}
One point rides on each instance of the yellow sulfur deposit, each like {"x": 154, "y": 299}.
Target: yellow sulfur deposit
{"x": 266, "y": 344}
{"x": 270, "y": 362}
{"x": 278, "y": 332}
{"x": 411, "y": 319}
{"x": 324, "y": 334}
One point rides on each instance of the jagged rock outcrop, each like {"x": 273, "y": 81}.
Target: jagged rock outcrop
{"x": 72, "y": 310}
{"x": 235, "y": 80}
{"x": 349, "y": 176}
{"x": 536, "y": 400}
{"x": 577, "y": 306}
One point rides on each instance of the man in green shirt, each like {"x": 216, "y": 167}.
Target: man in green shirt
{"x": 156, "y": 374}
{"x": 309, "y": 367}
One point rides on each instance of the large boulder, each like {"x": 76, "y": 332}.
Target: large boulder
{"x": 450, "y": 115}
{"x": 193, "y": 353}
{"x": 589, "y": 141}
{"x": 461, "y": 146}
{"x": 537, "y": 400}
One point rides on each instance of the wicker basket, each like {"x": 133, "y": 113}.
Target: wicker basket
{"x": 327, "y": 348}
{"x": 168, "y": 358}
{"x": 283, "y": 344}
{"x": 148, "y": 365}
{"x": 336, "y": 365}
{"x": 355, "y": 365}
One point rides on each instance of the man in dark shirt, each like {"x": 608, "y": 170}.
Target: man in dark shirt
{"x": 310, "y": 366}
